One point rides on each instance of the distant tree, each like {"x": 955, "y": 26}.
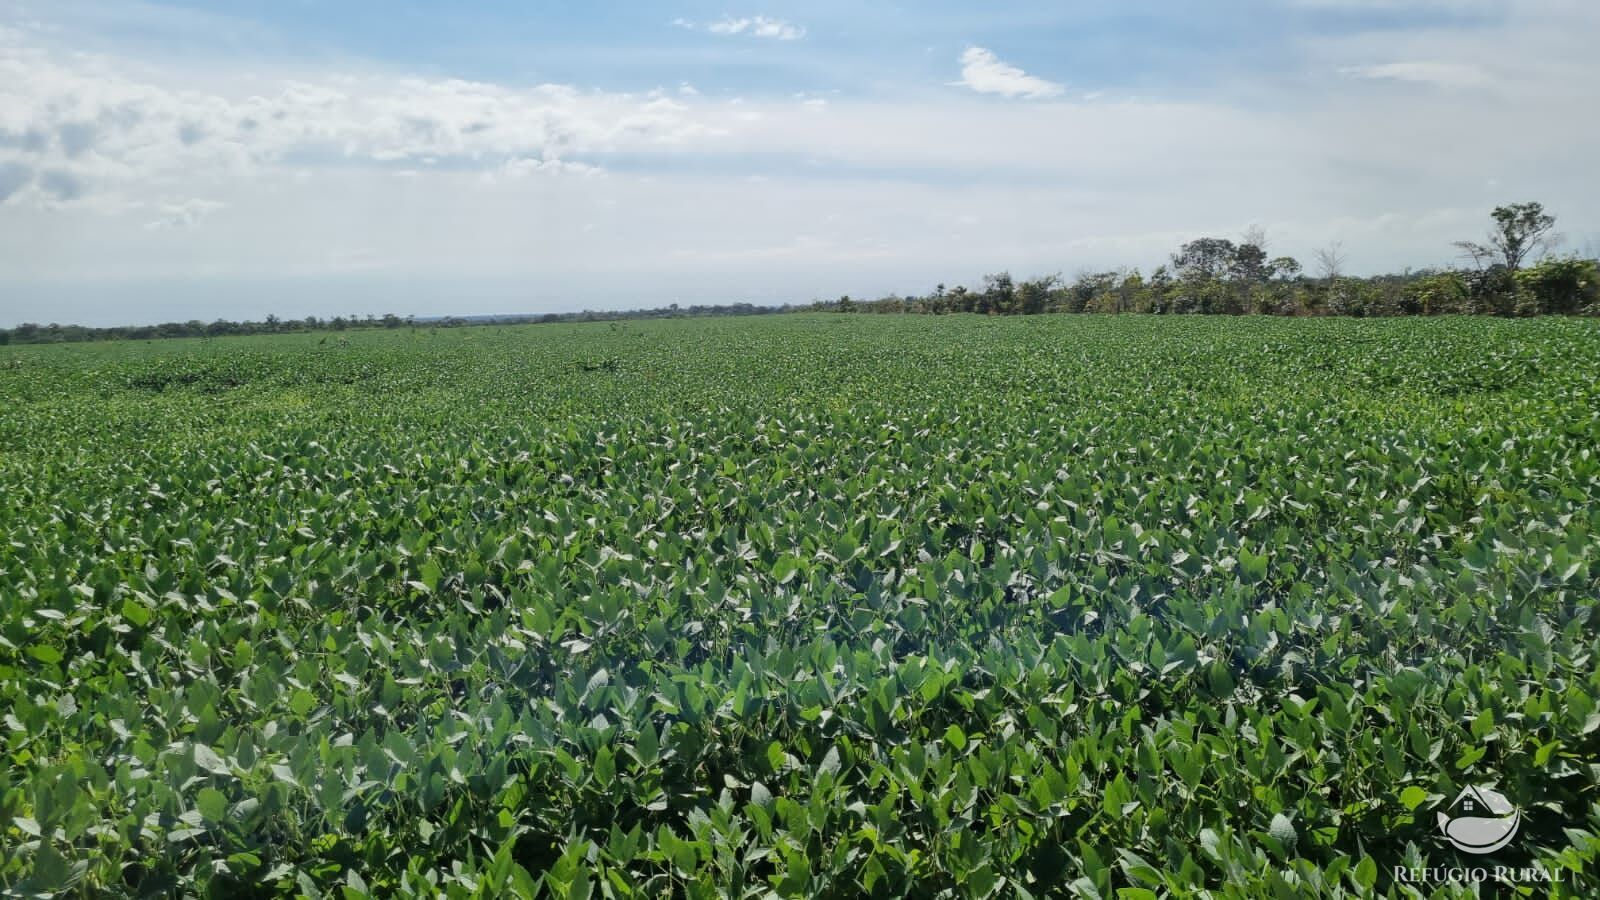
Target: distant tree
{"x": 1090, "y": 291}
{"x": 1250, "y": 258}
{"x": 1158, "y": 292}
{"x": 999, "y": 294}
{"x": 1249, "y": 264}
{"x": 1128, "y": 292}
{"x": 1033, "y": 295}
{"x": 1204, "y": 259}
{"x": 1330, "y": 261}
{"x": 1559, "y": 286}
{"x": 1520, "y": 231}
{"x": 961, "y": 300}
{"x": 1435, "y": 293}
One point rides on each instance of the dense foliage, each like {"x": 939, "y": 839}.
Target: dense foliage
{"x": 1212, "y": 275}
{"x": 813, "y": 605}
{"x": 1555, "y": 286}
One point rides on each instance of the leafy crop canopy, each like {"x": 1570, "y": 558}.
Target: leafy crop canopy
{"x": 812, "y": 605}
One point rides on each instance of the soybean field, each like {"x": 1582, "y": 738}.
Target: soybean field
{"x": 815, "y": 605}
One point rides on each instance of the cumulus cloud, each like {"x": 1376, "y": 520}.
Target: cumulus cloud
{"x": 752, "y": 26}
{"x": 84, "y": 123}
{"x": 1438, "y": 74}
{"x": 986, "y": 73}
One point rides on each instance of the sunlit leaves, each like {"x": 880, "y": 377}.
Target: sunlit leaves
{"x": 810, "y": 605}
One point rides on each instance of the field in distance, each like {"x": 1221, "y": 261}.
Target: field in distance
{"x": 820, "y": 605}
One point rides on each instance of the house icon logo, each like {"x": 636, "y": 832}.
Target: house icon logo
{"x": 1479, "y": 821}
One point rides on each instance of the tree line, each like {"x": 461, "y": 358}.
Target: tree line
{"x": 31, "y": 333}
{"x": 54, "y": 333}
{"x": 1512, "y": 272}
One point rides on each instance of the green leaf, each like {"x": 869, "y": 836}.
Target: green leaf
{"x": 759, "y": 795}
{"x": 212, "y": 803}
{"x": 1412, "y": 797}
{"x": 430, "y": 575}
{"x": 605, "y": 767}
{"x": 1469, "y": 756}
{"x": 207, "y": 758}
{"x": 1252, "y": 568}
{"x": 302, "y": 702}
{"x": 582, "y": 886}
{"x": 51, "y": 871}
{"x": 830, "y": 761}
{"x": 1483, "y": 724}
{"x": 955, "y": 737}
{"x": 984, "y": 881}
{"x": 135, "y": 612}
{"x": 784, "y": 570}
{"x": 45, "y": 653}
{"x": 1366, "y": 873}
{"x": 1283, "y": 831}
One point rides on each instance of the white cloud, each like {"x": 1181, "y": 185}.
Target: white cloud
{"x": 522, "y": 168}
{"x": 185, "y": 214}
{"x": 1438, "y": 74}
{"x": 753, "y": 26}
{"x": 985, "y": 73}
{"x": 74, "y": 126}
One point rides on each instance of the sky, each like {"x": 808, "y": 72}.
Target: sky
{"x": 185, "y": 160}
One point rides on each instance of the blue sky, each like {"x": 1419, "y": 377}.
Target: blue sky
{"x": 164, "y": 160}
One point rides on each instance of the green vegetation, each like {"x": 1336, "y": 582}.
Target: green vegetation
{"x": 56, "y": 333}
{"x": 1216, "y": 276}
{"x": 1207, "y": 276}
{"x": 817, "y": 605}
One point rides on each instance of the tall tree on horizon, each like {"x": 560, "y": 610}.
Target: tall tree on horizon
{"x": 1520, "y": 231}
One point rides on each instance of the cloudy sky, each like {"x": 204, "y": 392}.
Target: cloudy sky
{"x": 175, "y": 160}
